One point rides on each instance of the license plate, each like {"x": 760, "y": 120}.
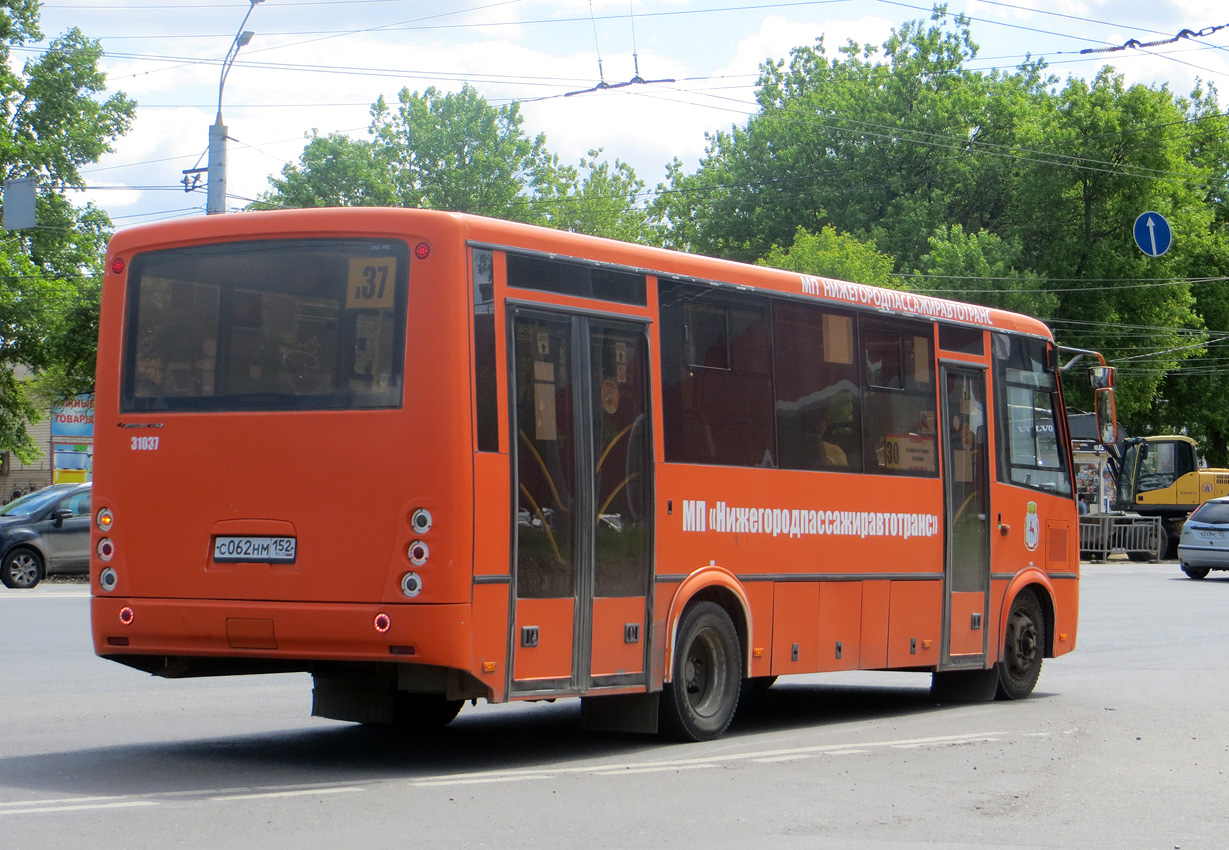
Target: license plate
{"x": 256, "y": 550}
{"x": 1211, "y": 534}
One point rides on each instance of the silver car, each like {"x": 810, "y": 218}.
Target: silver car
{"x": 1204, "y": 544}
{"x": 45, "y": 533}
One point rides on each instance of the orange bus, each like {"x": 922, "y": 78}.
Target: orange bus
{"x": 430, "y": 457}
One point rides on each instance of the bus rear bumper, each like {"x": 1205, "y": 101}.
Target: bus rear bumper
{"x": 288, "y": 635}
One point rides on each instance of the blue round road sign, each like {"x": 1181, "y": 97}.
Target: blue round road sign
{"x": 1152, "y": 234}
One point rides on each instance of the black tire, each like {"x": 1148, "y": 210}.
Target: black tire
{"x": 700, "y": 702}
{"x": 22, "y": 568}
{"x": 1195, "y": 572}
{"x": 424, "y": 712}
{"x": 1023, "y": 648}
{"x": 1158, "y": 548}
{"x": 1169, "y": 541}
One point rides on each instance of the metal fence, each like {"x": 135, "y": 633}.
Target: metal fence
{"x": 1138, "y": 537}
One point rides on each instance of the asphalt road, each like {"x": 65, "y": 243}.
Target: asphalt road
{"x": 1124, "y": 744}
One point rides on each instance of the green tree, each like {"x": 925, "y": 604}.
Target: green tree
{"x": 875, "y": 141}
{"x": 1109, "y": 152}
{"x": 835, "y": 255}
{"x": 445, "y": 151}
{"x": 333, "y": 171}
{"x": 454, "y": 151}
{"x": 55, "y": 121}
{"x": 1195, "y": 397}
{"x": 982, "y": 268}
{"x": 600, "y": 199}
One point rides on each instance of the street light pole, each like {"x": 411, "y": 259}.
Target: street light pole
{"x": 216, "y": 188}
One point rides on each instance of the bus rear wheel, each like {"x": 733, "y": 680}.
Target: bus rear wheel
{"x": 700, "y": 702}
{"x": 1023, "y": 648}
{"x": 425, "y": 712}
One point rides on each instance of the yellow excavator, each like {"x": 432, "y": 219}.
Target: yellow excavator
{"x": 1164, "y": 476}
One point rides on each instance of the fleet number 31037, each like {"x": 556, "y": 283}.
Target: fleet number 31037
{"x": 145, "y": 444}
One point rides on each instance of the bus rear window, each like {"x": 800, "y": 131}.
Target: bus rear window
{"x": 305, "y": 324}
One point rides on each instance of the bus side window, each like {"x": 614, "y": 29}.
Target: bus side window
{"x": 818, "y": 410}
{"x": 717, "y": 399}
{"x": 485, "y": 386}
{"x": 900, "y": 419}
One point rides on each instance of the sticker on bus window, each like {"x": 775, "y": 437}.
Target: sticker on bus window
{"x": 372, "y": 283}
{"x": 909, "y": 452}
{"x": 610, "y": 396}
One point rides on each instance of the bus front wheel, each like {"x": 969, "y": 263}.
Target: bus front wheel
{"x": 1023, "y": 648}
{"x": 699, "y": 703}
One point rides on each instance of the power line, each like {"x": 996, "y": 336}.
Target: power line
{"x": 1133, "y": 43}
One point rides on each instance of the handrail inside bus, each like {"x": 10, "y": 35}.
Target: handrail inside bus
{"x": 550, "y": 535}
{"x": 614, "y": 440}
{"x": 550, "y": 480}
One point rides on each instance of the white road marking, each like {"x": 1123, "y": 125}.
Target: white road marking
{"x": 38, "y": 593}
{"x": 59, "y": 800}
{"x": 763, "y": 756}
{"x": 306, "y": 792}
{"x": 624, "y": 771}
{"x": 482, "y": 780}
{"x": 127, "y": 804}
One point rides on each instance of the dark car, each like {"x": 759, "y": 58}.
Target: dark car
{"x": 1204, "y": 544}
{"x": 45, "y": 533}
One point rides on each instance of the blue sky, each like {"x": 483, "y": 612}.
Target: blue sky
{"x": 319, "y": 64}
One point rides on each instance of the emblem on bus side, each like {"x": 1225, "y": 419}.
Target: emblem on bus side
{"x": 1032, "y": 527}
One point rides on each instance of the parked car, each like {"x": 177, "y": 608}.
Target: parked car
{"x": 44, "y": 533}
{"x": 1204, "y": 544}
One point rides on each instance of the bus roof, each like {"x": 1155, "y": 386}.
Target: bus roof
{"x": 497, "y": 233}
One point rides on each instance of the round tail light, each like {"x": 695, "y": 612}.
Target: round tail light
{"x": 418, "y": 553}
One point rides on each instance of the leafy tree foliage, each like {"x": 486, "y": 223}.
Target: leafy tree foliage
{"x": 832, "y": 254}
{"x": 454, "y": 151}
{"x": 600, "y": 199}
{"x": 983, "y": 267}
{"x": 333, "y": 171}
{"x": 55, "y": 121}
{"x": 448, "y": 151}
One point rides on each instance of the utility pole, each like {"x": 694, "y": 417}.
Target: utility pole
{"x": 216, "y": 173}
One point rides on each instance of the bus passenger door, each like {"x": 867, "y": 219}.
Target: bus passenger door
{"x": 966, "y": 492}
{"x": 583, "y": 525}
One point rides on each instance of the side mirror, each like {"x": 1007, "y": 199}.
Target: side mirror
{"x": 1101, "y": 377}
{"x": 60, "y": 515}
{"x": 1106, "y": 415}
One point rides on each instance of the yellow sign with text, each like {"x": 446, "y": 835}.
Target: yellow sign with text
{"x": 910, "y": 452}
{"x": 371, "y": 284}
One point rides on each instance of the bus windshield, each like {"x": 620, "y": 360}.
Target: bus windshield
{"x": 306, "y": 324}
